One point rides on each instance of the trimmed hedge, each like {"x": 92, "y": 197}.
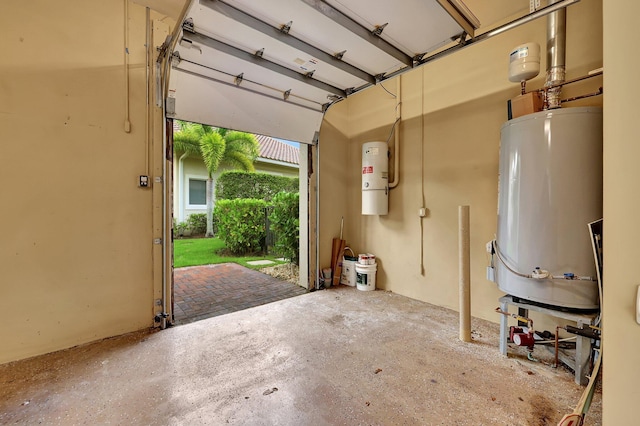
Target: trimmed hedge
{"x": 263, "y": 186}
{"x": 241, "y": 224}
{"x": 285, "y": 223}
{"x": 197, "y": 223}
{"x": 180, "y": 229}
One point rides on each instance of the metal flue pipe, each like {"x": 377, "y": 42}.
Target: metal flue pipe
{"x": 556, "y": 46}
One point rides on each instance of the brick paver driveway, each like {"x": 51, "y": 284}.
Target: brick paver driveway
{"x": 207, "y": 291}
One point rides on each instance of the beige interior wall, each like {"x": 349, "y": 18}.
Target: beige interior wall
{"x": 77, "y": 257}
{"x": 621, "y": 204}
{"x": 333, "y": 163}
{"x": 452, "y": 111}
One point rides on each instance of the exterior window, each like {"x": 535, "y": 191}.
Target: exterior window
{"x": 197, "y": 192}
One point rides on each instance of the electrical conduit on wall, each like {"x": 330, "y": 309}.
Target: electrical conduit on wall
{"x": 127, "y": 123}
{"x": 396, "y": 140}
{"x": 423, "y": 208}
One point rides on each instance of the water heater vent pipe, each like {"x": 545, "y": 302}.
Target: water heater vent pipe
{"x": 556, "y": 47}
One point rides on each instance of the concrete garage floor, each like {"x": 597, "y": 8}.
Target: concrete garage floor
{"x": 335, "y": 357}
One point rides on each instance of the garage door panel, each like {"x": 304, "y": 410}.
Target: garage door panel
{"x": 206, "y": 101}
{"x": 405, "y": 26}
{"x": 321, "y": 31}
{"x": 251, "y": 40}
{"x": 273, "y": 66}
{"x": 211, "y": 59}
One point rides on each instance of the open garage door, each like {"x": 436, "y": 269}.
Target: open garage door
{"x": 272, "y": 67}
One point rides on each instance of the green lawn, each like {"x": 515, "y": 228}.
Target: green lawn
{"x": 204, "y": 251}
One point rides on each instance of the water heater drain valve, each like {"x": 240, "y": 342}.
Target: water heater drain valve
{"x": 539, "y": 274}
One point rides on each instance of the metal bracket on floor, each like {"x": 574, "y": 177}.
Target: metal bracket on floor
{"x": 159, "y": 317}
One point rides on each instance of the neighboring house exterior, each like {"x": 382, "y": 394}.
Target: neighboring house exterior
{"x": 190, "y": 174}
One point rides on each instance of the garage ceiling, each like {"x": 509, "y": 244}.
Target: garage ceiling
{"x": 273, "y": 66}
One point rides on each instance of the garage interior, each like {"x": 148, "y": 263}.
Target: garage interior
{"x": 371, "y": 358}
{"x": 85, "y": 253}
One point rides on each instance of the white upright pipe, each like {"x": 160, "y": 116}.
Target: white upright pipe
{"x": 396, "y": 140}
{"x": 127, "y": 122}
{"x": 148, "y": 111}
{"x": 317, "y": 172}
{"x": 464, "y": 274}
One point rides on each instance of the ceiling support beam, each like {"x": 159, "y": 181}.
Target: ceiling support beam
{"x": 286, "y": 38}
{"x": 481, "y": 37}
{"x": 524, "y": 20}
{"x": 501, "y": 29}
{"x": 364, "y": 33}
{"x": 462, "y": 20}
{"x": 260, "y": 61}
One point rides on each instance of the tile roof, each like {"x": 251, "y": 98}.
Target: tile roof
{"x": 270, "y": 148}
{"x": 275, "y": 150}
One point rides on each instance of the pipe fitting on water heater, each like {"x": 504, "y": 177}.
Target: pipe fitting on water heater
{"x": 375, "y": 178}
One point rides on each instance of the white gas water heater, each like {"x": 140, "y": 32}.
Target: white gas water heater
{"x": 375, "y": 178}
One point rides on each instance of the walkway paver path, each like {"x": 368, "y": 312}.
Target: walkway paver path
{"x": 206, "y": 291}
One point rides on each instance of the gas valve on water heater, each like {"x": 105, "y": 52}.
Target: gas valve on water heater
{"x": 375, "y": 178}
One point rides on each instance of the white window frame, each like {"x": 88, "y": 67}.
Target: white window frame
{"x": 187, "y": 202}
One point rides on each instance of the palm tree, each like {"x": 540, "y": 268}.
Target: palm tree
{"x": 218, "y": 147}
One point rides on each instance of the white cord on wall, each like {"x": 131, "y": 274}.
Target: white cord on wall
{"x": 422, "y": 173}
{"x": 127, "y": 123}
